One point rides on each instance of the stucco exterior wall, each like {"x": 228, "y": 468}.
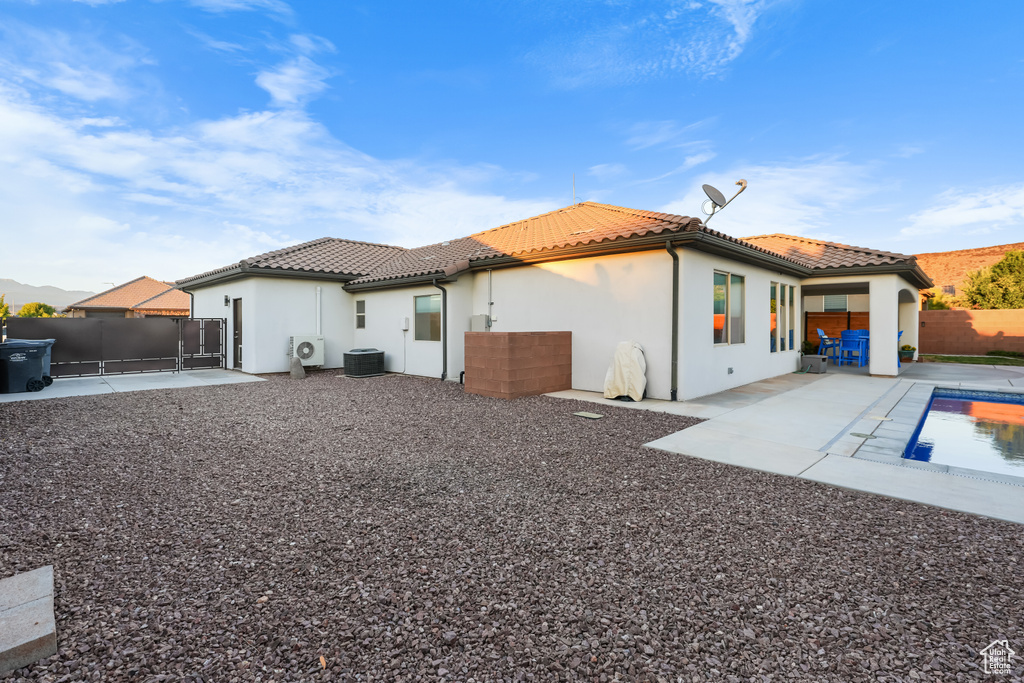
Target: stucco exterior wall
{"x": 703, "y": 365}
{"x": 602, "y": 301}
{"x": 274, "y": 309}
{"x": 387, "y": 312}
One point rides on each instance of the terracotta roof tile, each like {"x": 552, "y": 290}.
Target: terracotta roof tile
{"x": 325, "y": 255}
{"x": 125, "y": 296}
{"x": 171, "y": 300}
{"x": 818, "y": 254}
{"x": 572, "y": 226}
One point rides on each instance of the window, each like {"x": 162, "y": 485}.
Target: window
{"x": 361, "y": 314}
{"x": 428, "y": 317}
{"x": 728, "y": 308}
{"x": 835, "y": 303}
{"x": 773, "y": 325}
{"x": 949, "y": 289}
{"x": 792, "y": 316}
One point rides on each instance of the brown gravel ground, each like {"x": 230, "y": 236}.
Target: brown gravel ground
{"x": 405, "y": 531}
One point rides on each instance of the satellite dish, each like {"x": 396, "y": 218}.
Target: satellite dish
{"x": 714, "y": 195}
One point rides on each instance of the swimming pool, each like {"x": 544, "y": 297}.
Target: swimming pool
{"x": 979, "y": 430}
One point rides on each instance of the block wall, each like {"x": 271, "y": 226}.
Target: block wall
{"x": 514, "y": 364}
{"x": 971, "y": 333}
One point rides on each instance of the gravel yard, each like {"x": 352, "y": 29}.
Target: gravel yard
{"x": 401, "y": 530}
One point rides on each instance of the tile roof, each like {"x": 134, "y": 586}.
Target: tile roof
{"x": 818, "y": 254}
{"x": 170, "y": 300}
{"x": 125, "y": 296}
{"x": 573, "y": 226}
{"x": 325, "y": 255}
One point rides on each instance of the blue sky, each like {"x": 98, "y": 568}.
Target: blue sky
{"x": 169, "y": 137}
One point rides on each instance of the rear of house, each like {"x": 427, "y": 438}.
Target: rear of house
{"x": 604, "y": 273}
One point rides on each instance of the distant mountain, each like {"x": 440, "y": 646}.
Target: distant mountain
{"x": 17, "y": 295}
{"x": 950, "y": 268}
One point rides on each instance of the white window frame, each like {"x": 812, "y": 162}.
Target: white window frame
{"x": 361, "y": 317}
{"x": 727, "y": 324}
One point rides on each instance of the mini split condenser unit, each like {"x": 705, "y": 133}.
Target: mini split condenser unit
{"x": 309, "y": 349}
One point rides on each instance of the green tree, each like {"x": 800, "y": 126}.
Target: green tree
{"x": 5, "y": 310}
{"x": 1001, "y": 286}
{"x": 37, "y": 310}
{"x": 939, "y": 301}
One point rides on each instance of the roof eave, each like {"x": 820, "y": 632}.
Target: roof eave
{"x": 240, "y": 271}
{"x": 910, "y": 272}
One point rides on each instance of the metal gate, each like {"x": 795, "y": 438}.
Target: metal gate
{"x": 118, "y": 346}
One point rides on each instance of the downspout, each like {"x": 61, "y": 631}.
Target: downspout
{"x": 444, "y": 329}
{"x": 675, "y": 318}
{"x": 191, "y": 305}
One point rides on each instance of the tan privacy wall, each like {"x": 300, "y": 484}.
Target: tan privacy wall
{"x": 971, "y": 332}
{"x": 513, "y": 364}
{"x": 833, "y": 324}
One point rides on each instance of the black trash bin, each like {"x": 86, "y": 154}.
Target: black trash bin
{"x": 21, "y": 366}
{"x": 47, "y": 345}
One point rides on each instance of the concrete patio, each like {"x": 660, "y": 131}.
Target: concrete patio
{"x": 805, "y": 425}
{"x": 112, "y": 384}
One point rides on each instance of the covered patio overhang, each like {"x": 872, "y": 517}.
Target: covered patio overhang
{"x": 890, "y": 303}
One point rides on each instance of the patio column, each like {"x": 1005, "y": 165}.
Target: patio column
{"x": 884, "y": 320}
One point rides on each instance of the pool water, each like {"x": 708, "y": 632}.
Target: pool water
{"x": 975, "y": 430}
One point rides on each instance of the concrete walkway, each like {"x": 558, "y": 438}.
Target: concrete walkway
{"x": 809, "y": 426}
{"x": 110, "y": 384}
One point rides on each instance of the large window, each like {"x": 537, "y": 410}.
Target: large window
{"x": 728, "y": 308}
{"x": 428, "y": 317}
{"x": 361, "y": 314}
{"x": 783, "y": 316}
{"x": 792, "y": 316}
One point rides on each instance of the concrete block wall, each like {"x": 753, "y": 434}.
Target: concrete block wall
{"x": 971, "y": 333}
{"x": 514, "y": 364}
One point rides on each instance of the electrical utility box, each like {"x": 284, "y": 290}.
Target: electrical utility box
{"x": 478, "y": 323}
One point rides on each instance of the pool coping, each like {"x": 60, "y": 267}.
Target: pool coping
{"x": 890, "y": 432}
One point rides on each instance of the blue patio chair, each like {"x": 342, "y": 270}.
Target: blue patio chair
{"x": 852, "y": 348}
{"x": 866, "y": 336}
{"x": 827, "y": 345}
{"x": 898, "y": 337}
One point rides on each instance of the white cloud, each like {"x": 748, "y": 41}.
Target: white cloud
{"x": 813, "y": 198}
{"x": 604, "y": 172}
{"x": 699, "y": 38}
{"x": 78, "y": 65}
{"x": 978, "y": 211}
{"x": 105, "y": 198}
{"x": 294, "y": 82}
{"x": 222, "y": 6}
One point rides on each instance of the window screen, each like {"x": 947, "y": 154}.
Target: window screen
{"x": 360, "y": 314}
{"x": 428, "y": 317}
{"x": 835, "y": 303}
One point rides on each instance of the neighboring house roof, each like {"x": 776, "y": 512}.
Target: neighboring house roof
{"x": 126, "y": 296}
{"x": 326, "y": 256}
{"x": 950, "y": 268}
{"x": 169, "y": 300}
{"x": 588, "y": 227}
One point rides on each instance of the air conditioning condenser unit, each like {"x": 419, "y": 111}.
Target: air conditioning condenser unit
{"x": 309, "y": 349}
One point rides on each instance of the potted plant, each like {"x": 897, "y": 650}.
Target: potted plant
{"x": 907, "y": 353}
{"x": 808, "y": 348}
